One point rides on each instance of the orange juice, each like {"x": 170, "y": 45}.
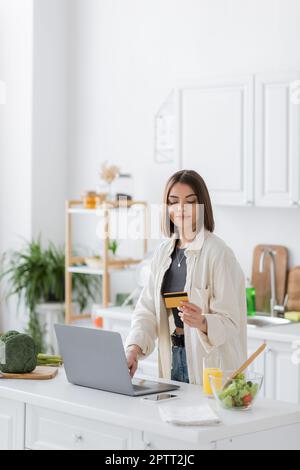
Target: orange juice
{"x": 215, "y": 372}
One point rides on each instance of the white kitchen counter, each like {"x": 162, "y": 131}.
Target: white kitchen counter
{"x": 62, "y": 398}
{"x": 285, "y": 333}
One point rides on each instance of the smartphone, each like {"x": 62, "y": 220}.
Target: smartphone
{"x": 163, "y": 397}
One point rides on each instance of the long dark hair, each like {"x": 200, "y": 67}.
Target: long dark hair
{"x": 197, "y": 183}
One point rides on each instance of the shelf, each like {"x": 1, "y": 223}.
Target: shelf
{"x": 99, "y": 211}
{"x": 77, "y": 265}
{"x": 119, "y": 264}
{"x": 83, "y": 211}
{"x": 112, "y": 265}
{"x": 85, "y": 270}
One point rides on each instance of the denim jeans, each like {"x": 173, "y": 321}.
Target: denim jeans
{"x": 179, "y": 365}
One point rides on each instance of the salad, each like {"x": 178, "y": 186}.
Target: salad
{"x": 239, "y": 394}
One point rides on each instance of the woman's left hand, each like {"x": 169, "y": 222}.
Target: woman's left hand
{"x": 191, "y": 314}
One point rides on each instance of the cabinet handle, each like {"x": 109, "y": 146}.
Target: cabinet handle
{"x": 148, "y": 445}
{"x": 78, "y": 438}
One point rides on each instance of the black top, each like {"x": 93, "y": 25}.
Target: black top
{"x": 175, "y": 279}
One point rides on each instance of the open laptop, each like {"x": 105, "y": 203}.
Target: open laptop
{"x": 96, "y": 359}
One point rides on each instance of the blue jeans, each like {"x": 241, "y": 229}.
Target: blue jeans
{"x": 179, "y": 365}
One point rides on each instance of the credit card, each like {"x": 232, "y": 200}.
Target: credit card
{"x": 173, "y": 299}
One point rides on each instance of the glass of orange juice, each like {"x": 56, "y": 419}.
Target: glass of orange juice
{"x": 211, "y": 367}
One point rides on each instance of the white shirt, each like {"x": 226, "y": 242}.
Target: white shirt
{"x": 215, "y": 282}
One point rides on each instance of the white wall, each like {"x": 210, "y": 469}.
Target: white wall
{"x": 126, "y": 57}
{"x": 33, "y": 126}
{"x": 50, "y": 118}
{"x": 16, "y": 19}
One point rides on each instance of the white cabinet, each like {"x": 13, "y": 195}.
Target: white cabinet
{"x": 265, "y": 440}
{"x": 153, "y": 441}
{"x": 52, "y": 430}
{"x": 12, "y": 418}
{"x": 277, "y": 141}
{"x": 257, "y": 366}
{"x": 243, "y": 136}
{"x": 216, "y": 136}
{"x": 282, "y": 375}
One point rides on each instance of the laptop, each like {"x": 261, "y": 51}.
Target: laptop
{"x": 96, "y": 359}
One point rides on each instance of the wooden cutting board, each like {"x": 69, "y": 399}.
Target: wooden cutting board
{"x": 294, "y": 290}
{"x": 40, "y": 373}
{"x": 262, "y": 281}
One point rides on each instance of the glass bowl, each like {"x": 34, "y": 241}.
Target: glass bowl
{"x": 241, "y": 394}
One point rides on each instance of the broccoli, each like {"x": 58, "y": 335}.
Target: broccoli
{"x": 20, "y": 353}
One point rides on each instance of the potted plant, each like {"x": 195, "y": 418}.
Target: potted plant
{"x": 37, "y": 276}
{"x": 113, "y": 248}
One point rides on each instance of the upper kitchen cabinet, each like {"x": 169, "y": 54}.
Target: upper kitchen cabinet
{"x": 216, "y": 136}
{"x": 277, "y": 141}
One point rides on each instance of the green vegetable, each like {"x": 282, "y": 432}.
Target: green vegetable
{"x": 239, "y": 393}
{"x": 228, "y": 402}
{"x": 20, "y": 353}
{"x": 45, "y": 360}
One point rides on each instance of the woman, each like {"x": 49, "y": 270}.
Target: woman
{"x": 213, "y": 323}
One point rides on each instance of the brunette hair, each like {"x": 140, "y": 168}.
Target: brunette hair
{"x": 197, "y": 183}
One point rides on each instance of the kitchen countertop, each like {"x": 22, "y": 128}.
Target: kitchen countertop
{"x": 133, "y": 413}
{"x": 285, "y": 333}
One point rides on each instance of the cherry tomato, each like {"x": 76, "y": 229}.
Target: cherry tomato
{"x": 247, "y": 400}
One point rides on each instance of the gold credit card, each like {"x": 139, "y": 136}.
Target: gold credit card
{"x": 173, "y": 299}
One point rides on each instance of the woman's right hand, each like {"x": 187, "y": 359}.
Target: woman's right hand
{"x": 132, "y": 355}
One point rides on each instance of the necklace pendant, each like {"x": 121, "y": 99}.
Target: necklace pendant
{"x": 179, "y": 265}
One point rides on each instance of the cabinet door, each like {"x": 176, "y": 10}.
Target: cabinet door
{"x": 53, "y": 430}
{"x": 282, "y": 375}
{"x": 257, "y": 366}
{"x": 277, "y": 148}
{"x": 157, "y": 442}
{"x": 11, "y": 425}
{"x": 283, "y": 438}
{"x": 216, "y": 136}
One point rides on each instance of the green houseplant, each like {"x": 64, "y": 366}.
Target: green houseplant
{"x": 37, "y": 275}
{"x": 113, "y": 247}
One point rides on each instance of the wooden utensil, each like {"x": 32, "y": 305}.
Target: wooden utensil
{"x": 294, "y": 290}
{"x": 40, "y": 373}
{"x": 245, "y": 365}
{"x": 261, "y": 281}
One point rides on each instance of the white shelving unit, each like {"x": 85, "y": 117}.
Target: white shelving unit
{"x": 76, "y": 265}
